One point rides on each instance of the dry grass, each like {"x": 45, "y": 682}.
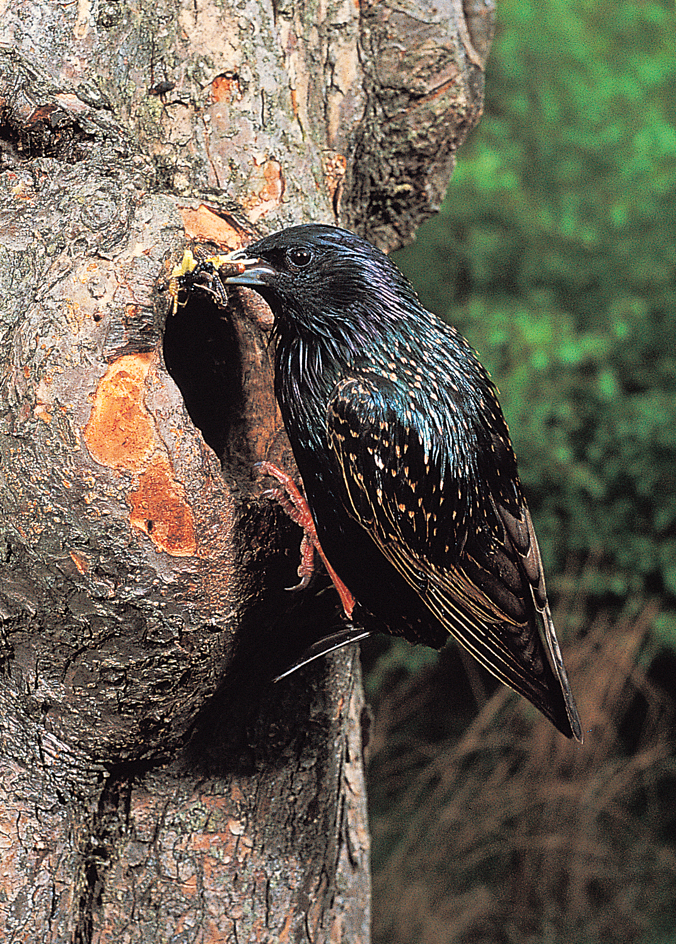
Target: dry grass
{"x": 511, "y": 833}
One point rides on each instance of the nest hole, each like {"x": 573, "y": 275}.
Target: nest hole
{"x": 203, "y": 356}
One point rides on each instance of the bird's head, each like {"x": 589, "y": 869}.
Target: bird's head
{"x": 325, "y": 281}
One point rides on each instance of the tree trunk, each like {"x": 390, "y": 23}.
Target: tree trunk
{"x": 154, "y": 784}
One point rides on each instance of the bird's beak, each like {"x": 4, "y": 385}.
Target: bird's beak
{"x": 249, "y": 270}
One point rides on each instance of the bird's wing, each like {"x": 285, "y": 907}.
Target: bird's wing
{"x": 475, "y": 565}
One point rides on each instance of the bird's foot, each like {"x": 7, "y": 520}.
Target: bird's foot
{"x": 307, "y": 548}
{"x": 296, "y": 507}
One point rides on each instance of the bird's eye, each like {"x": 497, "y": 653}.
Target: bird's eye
{"x": 299, "y": 258}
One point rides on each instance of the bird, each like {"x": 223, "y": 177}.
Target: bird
{"x": 411, "y": 485}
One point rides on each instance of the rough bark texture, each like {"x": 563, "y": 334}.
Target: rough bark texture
{"x": 154, "y": 786}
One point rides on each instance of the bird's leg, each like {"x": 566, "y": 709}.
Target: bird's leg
{"x": 297, "y": 515}
{"x": 295, "y": 505}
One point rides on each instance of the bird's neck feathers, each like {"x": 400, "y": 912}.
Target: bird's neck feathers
{"x": 341, "y": 331}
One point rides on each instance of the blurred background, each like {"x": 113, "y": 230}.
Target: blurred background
{"x": 555, "y": 256}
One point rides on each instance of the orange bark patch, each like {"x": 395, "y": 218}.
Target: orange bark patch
{"x": 159, "y": 508}
{"x": 285, "y": 933}
{"x": 335, "y": 168}
{"x": 201, "y": 223}
{"x": 225, "y": 88}
{"x": 120, "y": 432}
{"x": 80, "y": 562}
{"x": 266, "y": 186}
{"x": 42, "y": 412}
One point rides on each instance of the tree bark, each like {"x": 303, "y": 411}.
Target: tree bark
{"x": 154, "y": 784}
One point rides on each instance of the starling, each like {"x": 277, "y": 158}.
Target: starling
{"x": 405, "y": 456}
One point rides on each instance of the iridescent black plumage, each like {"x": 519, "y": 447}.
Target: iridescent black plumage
{"x": 406, "y": 459}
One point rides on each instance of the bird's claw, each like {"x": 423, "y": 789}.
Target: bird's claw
{"x": 301, "y": 585}
{"x": 296, "y": 507}
{"x": 306, "y": 568}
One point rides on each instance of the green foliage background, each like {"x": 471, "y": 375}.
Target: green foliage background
{"x": 555, "y": 255}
